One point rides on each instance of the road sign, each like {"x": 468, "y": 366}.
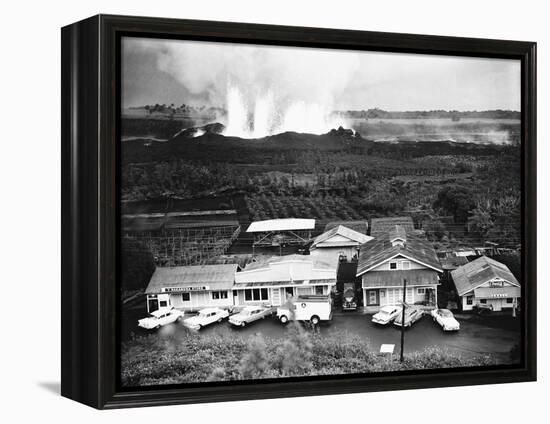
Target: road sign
{"x": 387, "y": 348}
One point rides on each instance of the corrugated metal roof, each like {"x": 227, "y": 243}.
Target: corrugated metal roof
{"x": 381, "y": 226}
{"x": 287, "y": 268}
{"x": 359, "y": 226}
{"x": 286, "y": 224}
{"x": 355, "y": 238}
{"x": 415, "y": 277}
{"x": 479, "y": 271}
{"x": 216, "y": 277}
{"x": 381, "y": 249}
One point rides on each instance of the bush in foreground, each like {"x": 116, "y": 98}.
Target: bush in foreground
{"x": 196, "y": 358}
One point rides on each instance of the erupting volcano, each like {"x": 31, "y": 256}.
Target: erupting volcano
{"x": 264, "y": 115}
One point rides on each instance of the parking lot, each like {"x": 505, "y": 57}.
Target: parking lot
{"x": 478, "y": 335}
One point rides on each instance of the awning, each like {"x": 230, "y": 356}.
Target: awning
{"x": 497, "y": 292}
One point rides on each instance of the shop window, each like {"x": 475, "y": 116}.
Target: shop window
{"x": 509, "y": 300}
{"x": 185, "y": 297}
{"x": 216, "y": 295}
{"x": 163, "y": 303}
{"x": 421, "y": 290}
{"x": 483, "y": 301}
{"x": 255, "y": 294}
{"x": 318, "y": 289}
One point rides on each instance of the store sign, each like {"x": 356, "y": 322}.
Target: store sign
{"x": 184, "y": 289}
{"x": 496, "y": 283}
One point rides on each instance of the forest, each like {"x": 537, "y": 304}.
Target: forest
{"x": 456, "y": 192}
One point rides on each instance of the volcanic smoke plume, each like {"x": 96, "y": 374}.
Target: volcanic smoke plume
{"x": 265, "y": 90}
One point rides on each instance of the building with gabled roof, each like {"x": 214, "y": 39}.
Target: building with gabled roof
{"x": 191, "y": 287}
{"x": 485, "y": 281}
{"x": 337, "y": 243}
{"x": 381, "y": 226}
{"x": 385, "y": 262}
{"x": 273, "y": 280}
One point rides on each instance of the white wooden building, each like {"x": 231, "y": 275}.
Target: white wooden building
{"x": 485, "y": 281}
{"x": 275, "y": 279}
{"x": 387, "y": 261}
{"x": 191, "y": 287}
{"x": 336, "y": 242}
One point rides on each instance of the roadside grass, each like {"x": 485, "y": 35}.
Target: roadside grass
{"x": 152, "y": 360}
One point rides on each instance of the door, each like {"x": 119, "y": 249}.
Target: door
{"x": 373, "y": 298}
{"x": 289, "y": 292}
{"x": 152, "y": 305}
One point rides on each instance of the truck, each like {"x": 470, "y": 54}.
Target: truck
{"x": 349, "y": 301}
{"x": 312, "y": 308}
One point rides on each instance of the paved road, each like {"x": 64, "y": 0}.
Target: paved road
{"x": 477, "y": 334}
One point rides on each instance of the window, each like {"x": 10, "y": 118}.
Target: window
{"x": 255, "y": 294}
{"x": 406, "y": 265}
{"x": 509, "y": 300}
{"x": 163, "y": 303}
{"x": 393, "y": 265}
{"x": 469, "y": 300}
{"x": 483, "y": 301}
{"x": 219, "y": 295}
{"x": 185, "y": 297}
{"x": 421, "y": 290}
{"x": 318, "y": 289}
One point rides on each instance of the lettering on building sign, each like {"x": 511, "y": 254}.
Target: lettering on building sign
{"x": 184, "y": 289}
{"x": 496, "y": 284}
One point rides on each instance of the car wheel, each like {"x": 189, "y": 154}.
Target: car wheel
{"x": 157, "y": 327}
{"x": 243, "y": 324}
{"x": 284, "y": 319}
{"x": 315, "y": 320}
{"x": 199, "y": 327}
{"x": 220, "y": 320}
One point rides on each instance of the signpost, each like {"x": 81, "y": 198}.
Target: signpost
{"x": 403, "y": 318}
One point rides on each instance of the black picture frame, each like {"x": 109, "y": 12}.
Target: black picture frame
{"x": 90, "y": 183}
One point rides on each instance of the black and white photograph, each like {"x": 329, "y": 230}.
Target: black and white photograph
{"x": 304, "y": 212}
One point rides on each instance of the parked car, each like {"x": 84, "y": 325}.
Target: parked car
{"x": 249, "y": 314}
{"x": 160, "y": 317}
{"x": 313, "y": 308}
{"x": 411, "y": 316}
{"x": 206, "y": 317}
{"x": 386, "y": 314}
{"x": 349, "y": 301}
{"x": 445, "y": 319}
{"x": 483, "y": 309}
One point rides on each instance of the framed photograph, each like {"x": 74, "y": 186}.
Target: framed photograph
{"x": 254, "y": 211}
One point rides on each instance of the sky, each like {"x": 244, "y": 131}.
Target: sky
{"x": 202, "y": 73}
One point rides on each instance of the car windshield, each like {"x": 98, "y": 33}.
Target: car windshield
{"x": 204, "y": 314}
{"x": 382, "y": 312}
{"x": 445, "y": 313}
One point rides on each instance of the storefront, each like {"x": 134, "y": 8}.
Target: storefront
{"x": 486, "y": 283}
{"x": 191, "y": 287}
{"x": 275, "y": 280}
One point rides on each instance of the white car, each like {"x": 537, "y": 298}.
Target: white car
{"x": 445, "y": 319}
{"x": 249, "y": 314}
{"x": 386, "y": 314}
{"x": 160, "y": 317}
{"x": 205, "y": 317}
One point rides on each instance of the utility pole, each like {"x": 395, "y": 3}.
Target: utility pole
{"x": 403, "y": 319}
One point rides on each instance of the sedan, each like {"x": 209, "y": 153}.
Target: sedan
{"x": 411, "y": 316}
{"x": 160, "y": 317}
{"x": 205, "y": 317}
{"x": 445, "y": 319}
{"x": 386, "y": 314}
{"x": 249, "y": 314}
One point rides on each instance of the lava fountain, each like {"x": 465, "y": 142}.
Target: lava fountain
{"x": 264, "y": 116}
